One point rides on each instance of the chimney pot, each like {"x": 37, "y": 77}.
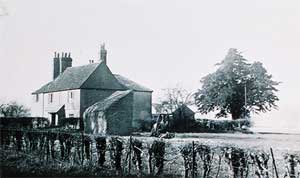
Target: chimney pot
{"x": 65, "y": 62}
{"x": 56, "y": 65}
{"x": 103, "y": 53}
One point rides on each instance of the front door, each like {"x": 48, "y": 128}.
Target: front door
{"x": 53, "y": 119}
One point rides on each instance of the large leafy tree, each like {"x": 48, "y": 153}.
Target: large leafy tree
{"x": 237, "y": 88}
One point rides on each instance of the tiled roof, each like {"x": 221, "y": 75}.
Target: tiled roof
{"x": 74, "y": 78}
{"x": 107, "y": 102}
{"x": 71, "y": 78}
{"x": 131, "y": 85}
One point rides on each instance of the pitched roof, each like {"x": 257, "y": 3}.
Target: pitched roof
{"x": 185, "y": 109}
{"x": 131, "y": 85}
{"x": 75, "y": 78}
{"x": 71, "y": 78}
{"x": 107, "y": 102}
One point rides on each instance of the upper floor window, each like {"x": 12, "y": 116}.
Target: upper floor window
{"x": 50, "y": 97}
{"x": 36, "y": 97}
{"x": 70, "y": 96}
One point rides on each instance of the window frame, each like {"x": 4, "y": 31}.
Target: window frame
{"x": 36, "y": 98}
{"x": 70, "y": 96}
{"x": 50, "y": 98}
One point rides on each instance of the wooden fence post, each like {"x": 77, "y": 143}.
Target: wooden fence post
{"x": 129, "y": 161}
{"x": 91, "y": 150}
{"x": 193, "y": 159}
{"x": 274, "y": 164}
{"x": 82, "y": 148}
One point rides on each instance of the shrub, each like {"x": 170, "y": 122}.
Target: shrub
{"x": 101, "y": 148}
{"x": 206, "y": 125}
{"x": 157, "y": 152}
{"x": 116, "y": 148}
{"x": 189, "y": 156}
{"x": 137, "y": 151}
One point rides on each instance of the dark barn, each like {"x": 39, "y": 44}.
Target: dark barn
{"x": 182, "y": 119}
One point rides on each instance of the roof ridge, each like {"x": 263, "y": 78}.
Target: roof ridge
{"x": 84, "y": 65}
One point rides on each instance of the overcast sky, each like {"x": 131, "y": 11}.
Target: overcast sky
{"x": 158, "y": 43}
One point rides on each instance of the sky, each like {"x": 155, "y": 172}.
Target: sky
{"x": 159, "y": 44}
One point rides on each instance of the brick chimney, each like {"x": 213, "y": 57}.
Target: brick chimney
{"x": 65, "y": 62}
{"x": 103, "y": 53}
{"x": 56, "y": 65}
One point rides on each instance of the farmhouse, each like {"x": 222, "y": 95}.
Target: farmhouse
{"x": 74, "y": 89}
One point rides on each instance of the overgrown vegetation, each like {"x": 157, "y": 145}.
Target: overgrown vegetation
{"x": 52, "y": 153}
{"x": 23, "y": 122}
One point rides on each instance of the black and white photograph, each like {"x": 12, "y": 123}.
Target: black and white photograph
{"x": 150, "y": 88}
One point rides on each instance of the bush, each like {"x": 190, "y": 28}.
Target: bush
{"x": 157, "y": 152}
{"x": 206, "y": 125}
{"x": 101, "y": 149}
{"x": 23, "y": 122}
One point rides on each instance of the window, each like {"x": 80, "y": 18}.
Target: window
{"x": 36, "y": 97}
{"x": 50, "y": 97}
{"x": 70, "y": 96}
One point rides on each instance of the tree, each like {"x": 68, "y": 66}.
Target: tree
{"x": 173, "y": 98}
{"x": 13, "y": 109}
{"x": 237, "y": 88}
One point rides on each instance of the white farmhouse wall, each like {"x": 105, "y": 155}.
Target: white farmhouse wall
{"x": 37, "y": 109}
{"x": 72, "y": 106}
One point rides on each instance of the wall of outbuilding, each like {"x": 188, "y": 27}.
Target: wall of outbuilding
{"x": 119, "y": 116}
{"x": 141, "y": 108}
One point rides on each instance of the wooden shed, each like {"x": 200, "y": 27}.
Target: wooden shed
{"x": 182, "y": 119}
